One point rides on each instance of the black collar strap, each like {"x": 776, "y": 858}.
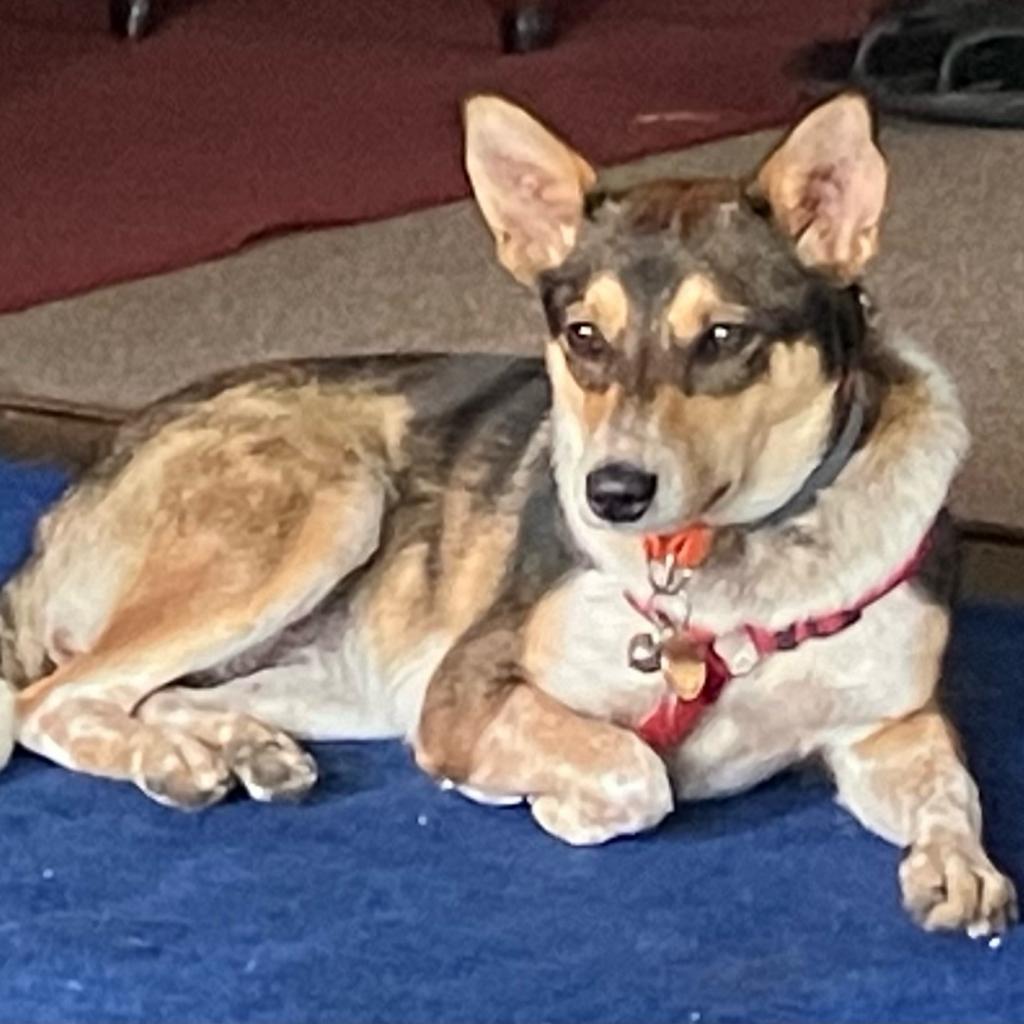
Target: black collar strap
{"x": 833, "y": 463}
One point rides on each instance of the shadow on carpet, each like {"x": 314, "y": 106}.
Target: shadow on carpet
{"x": 384, "y": 899}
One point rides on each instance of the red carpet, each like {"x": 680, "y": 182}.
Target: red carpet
{"x": 243, "y": 117}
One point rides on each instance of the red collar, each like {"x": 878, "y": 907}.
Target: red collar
{"x": 738, "y": 652}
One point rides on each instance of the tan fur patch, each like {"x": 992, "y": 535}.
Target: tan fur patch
{"x": 780, "y": 417}
{"x": 895, "y": 744}
{"x": 590, "y": 408}
{"x": 193, "y": 602}
{"x": 465, "y": 695}
{"x": 600, "y": 406}
{"x": 604, "y": 304}
{"x": 696, "y": 305}
{"x": 589, "y": 781}
{"x": 398, "y": 613}
{"x": 899, "y": 420}
{"x": 545, "y": 628}
{"x": 406, "y": 600}
{"x": 313, "y": 432}
{"x": 235, "y": 473}
{"x": 396, "y": 609}
{"x": 474, "y": 568}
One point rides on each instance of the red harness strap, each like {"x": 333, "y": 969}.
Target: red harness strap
{"x": 673, "y": 718}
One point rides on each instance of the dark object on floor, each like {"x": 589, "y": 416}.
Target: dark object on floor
{"x": 237, "y": 118}
{"x": 528, "y": 25}
{"x": 385, "y": 899}
{"x": 54, "y": 431}
{"x": 131, "y": 18}
{"x": 524, "y": 26}
{"x": 947, "y": 60}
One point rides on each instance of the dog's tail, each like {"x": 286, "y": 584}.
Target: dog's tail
{"x": 8, "y": 712}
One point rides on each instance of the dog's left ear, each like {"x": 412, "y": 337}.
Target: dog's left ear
{"x": 530, "y": 186}
{"x": 826, "y": 186}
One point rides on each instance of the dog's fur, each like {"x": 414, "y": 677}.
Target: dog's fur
{"x": 406, "y": 546}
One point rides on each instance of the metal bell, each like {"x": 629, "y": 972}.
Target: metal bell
{"x": 644, "y": 653}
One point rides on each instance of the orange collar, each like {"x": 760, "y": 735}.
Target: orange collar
{"x": 688, "y": 548}
{"x": 672, "y": 557}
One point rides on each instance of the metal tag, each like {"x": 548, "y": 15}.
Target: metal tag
{"x": 644, "y": 653}
{"x": 682, "y": 661}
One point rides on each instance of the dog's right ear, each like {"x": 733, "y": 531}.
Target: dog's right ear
{"x": 529, "y": 186}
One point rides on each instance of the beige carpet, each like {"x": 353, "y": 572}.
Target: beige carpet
{"x": 950, "y": 275}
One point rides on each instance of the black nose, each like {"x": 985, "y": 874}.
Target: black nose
{"x": 620, "y": 492}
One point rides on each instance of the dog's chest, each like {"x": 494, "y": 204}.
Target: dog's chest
{"x": 828, "y": 693}
{"x": 576, "y": 646}
{"x": 791, "y": 704}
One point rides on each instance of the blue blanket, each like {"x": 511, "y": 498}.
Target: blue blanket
{"x": 384, "y": 899}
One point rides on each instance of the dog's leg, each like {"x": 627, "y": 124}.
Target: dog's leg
{"x": 180, "y": 617}
{"x": 296, "y": 698}
{"x": 486, "y": 726}
{"x": 168, "y": 765}
{"x": 269, "y": 763}
{"x": 907, "y": 784}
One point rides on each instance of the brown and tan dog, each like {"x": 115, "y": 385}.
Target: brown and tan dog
{"x": 466, "y": 551}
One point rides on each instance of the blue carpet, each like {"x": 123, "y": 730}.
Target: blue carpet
{"x": 386, "y": 900}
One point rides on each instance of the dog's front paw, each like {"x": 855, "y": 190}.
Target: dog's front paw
{"x": 273, "y": 768}
{"x": 176, "y": 770}
{"x": 616, "y": 802}
{"x": 950, "y": 886}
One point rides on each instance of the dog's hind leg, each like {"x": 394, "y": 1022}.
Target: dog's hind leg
{"x": 254, "y": 718}
{"x": 268, "y": 762}
{"x": 198, "y": 599}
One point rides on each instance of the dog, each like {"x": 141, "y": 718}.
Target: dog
{"x": 698, "y": 542}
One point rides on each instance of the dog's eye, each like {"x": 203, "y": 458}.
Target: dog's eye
{"x": 720, "y": 338}
{"x": 585, "y": 340}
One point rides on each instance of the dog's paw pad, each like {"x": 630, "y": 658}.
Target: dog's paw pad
{"x": 632, "y": 795}
{"x": 274, "y": 769}
{"x": 567, "y": 821}
{"x": 949, "y": 888}
{"x": 179, "y": 771}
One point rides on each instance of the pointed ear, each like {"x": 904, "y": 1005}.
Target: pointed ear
{"x": 826, "y": 186}
{"x": 529, "y": 186}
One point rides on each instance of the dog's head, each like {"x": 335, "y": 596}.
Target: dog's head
{"x": 700, "y": 328}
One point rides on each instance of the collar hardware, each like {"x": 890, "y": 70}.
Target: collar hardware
{"x": 697, "y": 665}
